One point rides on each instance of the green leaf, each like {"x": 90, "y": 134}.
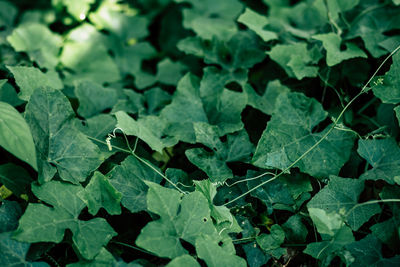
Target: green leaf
{"x": 215, "y": 256}
{"x": 295, "y": 230}
{"x": 129, "y": 179}
{"x": 334, "y": 54}
{"x": 386, "y": 87}
{"x": 295, "y": 59}
{"x": 211, "y": 18}
{"x": 326, "y": 251}
{"x": 30, "y": 78}
{"x": 186, "y": 98}
{"x": 13, "y": 253}
{"x": 42, "y": 223}
{"x": 220, "y": 214}
{"x": 340, "y": 196}
{"x": 384, "y": 157}
{"x": 78, "y": 8}
{"x": 103, "y": 259}
{"x": 184, "y": 260}
{"x": 373, "y": 25}
{"x": 193, "y": 221}
{"x": 367, "y": 252}
{"x": 241, "y": 51}
{"x": 169, "y": 72}
{"x": 257, "y": 23}
{"x": 150, "y": 129}
{"x": 99, "y": 193}
{"x": 272, "y": 193}
{"x": 89, "y": 61}
{"x": 15, "y": 178}
{"x": 273, "y": 240}
{"x": 41, "y": 44}
{"x": 9, "y": 95}
{"x": 58, "y": 144}
{"x": 266, "y": 102}
{"x": 289, "y": 134}
{"x": 10, "y": 211}
{"x": 237, "y": 148}
{"x": 94, "y": 99}
{"x": 327, "y": 223}
{"x": 15, "y": 136}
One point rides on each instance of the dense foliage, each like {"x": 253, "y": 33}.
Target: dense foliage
{"x": 199, "y": 133}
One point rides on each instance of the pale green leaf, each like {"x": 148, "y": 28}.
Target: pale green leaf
{"x": 78, "y": 8}
{"x": 257, "y": 23}
{"x": 15, "y": 135}
{"x": 150, "y": 129}
{"x": 41, "y": 44}
{"x": 334, "y": 54}
{"x": 295, "y": 59}
{"x": 30, "y": 78}
{"x": 89, "y": 61}
{"x": 216, "y": 256}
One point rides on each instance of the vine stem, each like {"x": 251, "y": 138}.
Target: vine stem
{"x": 132, "y": 152}
{"x": 335, "y": 122}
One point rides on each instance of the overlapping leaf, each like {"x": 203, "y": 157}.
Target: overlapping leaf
{"x": 41, "y": 223}
{"x": 290, "y": 133}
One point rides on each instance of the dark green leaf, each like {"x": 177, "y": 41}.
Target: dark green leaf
{"x": 290, "y": 133}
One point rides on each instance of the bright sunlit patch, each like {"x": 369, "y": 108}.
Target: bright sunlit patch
{"x": 82, "y": 16}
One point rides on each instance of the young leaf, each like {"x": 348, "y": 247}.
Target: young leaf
{"x": 15, "y": 135}
{"x": 41, "y": 223}
{"x": 289, "y": 134}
